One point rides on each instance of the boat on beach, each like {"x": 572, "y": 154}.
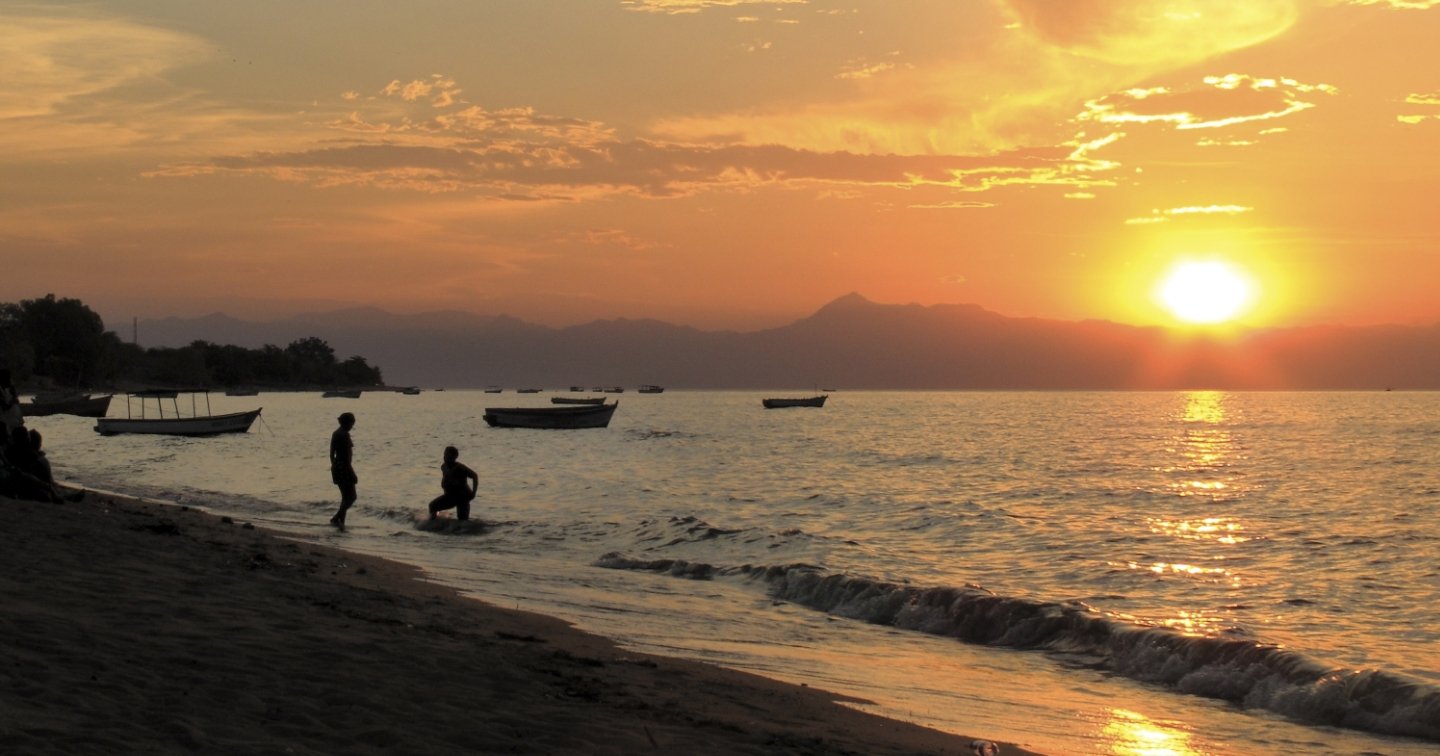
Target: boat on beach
{"x": 173, "y": 423}
{"x": 342, "y": 394}
{"x": 577, "y": 400}
{"x": 650, "y": 388}
{"x": 79, "y": 404}
{"x": 242, "y": 392}
{"x": 551, "y": 418}
{"x": 809, "y": 401}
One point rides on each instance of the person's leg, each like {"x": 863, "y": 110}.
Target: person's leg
{"x": 462, "y": 510}
{"x": 347, "y": 498}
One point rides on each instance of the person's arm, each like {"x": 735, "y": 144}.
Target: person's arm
{"x": 474, "y": 481}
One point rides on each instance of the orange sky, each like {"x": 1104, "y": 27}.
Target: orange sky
{"x": 719, "y": 163}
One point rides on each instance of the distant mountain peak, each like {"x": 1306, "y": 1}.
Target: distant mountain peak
{"x": 849, "y": 301}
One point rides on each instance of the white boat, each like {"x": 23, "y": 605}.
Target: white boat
{"x": 172, "y": 422}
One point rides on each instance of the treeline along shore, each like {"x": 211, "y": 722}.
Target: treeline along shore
{"x": 51, "y": 343}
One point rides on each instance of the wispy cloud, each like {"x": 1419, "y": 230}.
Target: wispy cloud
{"x": 1161, "y": 216}
{"x": 1148, "y": 32}
{"x": 1222, "y": 101}
{"x": 399, "y": 139}
{"x": 678, "y": 7}
{"x": 64, "y": 77}
{"x": 1398, "y": 4}
{"x": 1428, "y": 99}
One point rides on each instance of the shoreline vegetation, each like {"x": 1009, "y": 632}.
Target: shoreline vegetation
{"x": 135, "y": 626}
{"x": 50, "y": 344}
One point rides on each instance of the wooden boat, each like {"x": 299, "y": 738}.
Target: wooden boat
{"x": 615, "y": 390}
{"x": 809, "y": 401}
{"x": 577, "y": 400}
{"x": 493, "y": 389}
{"x": 242, "y": 392}
{"x": 584, "y": 416}
{"x": 527, "y": 391}
{"x": 82, "y": 405}
{"x": 342, "y": 394}
{"x": 174, "y": 424}
{"x": 577, "y": 389}
{"x": 651, "y": 388}
{"x": 410, "y": 390}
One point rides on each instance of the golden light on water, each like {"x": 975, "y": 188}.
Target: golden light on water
{"x": 1133, "y": 734}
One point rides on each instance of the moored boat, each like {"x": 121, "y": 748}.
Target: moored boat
{"x": 809, "y": 401}
{"x": 82, "y": 405}
{"x": 342, "y": 394}
{"x": 577, "y": 400}
{"x": 651, "y": 388}
{"x": 194, "y": 424}
{"x": 564, "y": 417}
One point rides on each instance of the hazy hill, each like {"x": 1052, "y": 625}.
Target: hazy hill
{"x": 850, "y": 343}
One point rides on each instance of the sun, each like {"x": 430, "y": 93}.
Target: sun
{"x": 1205, "y": 293}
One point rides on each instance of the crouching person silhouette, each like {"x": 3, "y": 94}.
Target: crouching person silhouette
{"x": 459, "y": 485}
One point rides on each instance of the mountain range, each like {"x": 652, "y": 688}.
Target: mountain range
{"x": 850, "y": 343}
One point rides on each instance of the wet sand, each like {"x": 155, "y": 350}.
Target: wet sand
{"x": 136, "y": 627}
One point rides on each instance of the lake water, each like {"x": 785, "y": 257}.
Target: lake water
{"x": 1189, "y": 572}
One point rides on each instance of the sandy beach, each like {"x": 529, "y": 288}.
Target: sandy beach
{"x": 138, "y": 627}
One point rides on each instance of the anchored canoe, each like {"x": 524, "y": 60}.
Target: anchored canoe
{"x": 558, "y": 417}
{"x": 809, "y": 401}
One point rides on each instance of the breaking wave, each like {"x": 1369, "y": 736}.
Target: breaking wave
{"x": 1246, "y": 672}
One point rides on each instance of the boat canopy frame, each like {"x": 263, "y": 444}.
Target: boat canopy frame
{"x": 160, "y": 395}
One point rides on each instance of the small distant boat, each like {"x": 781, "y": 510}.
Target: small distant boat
{"x": 342, "y": 394}
{"x": 615, "y": 390}
{"x": 242, "y": 392}
{"x": 195, "y": 424}
{"x": 809, "y": 401}
{"x": 554, "y": 418}
{"x": 410, "y": 390}
{"x": 577, "y": 400}
{"x": 527, "y": 391}
{"x": 651, "y": 388}
{"x": 493, "y": 389}
{"x": 82, "y": 405}
{"x": 577, "y": 389}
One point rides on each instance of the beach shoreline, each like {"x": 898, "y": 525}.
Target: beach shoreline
{"x": 137, "y": 626}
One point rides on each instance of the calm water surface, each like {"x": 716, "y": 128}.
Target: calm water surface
{"x": 1181, "y": 573}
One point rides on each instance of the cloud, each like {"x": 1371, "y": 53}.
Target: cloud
{"x": 400, "y": 141}
{"x": 441, "y": 90}
{"x": 956, "y": 205}
{"x": 1222, "y": 101}
{"x": 1161, "y": 216}
{"x": 1432, "y": 98}
{"x": 1151, "y": 32}
{"x": 53, "y": 61}
{"x": 1398, "y": 4}
{"x": 678, "y": 7}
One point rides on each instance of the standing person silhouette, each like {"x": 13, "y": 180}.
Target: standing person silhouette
{"x": 342, "y": 471}
{"x": 453, "y": 482}
{"x": 10, "y": 412}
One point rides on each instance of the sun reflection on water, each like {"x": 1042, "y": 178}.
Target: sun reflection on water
{"x": 1132, "y": 734}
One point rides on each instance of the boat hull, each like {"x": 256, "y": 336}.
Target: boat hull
{"x": 82, "y": 406}
{"x": 207, "y": 425}
{"x": 551, "y": 418}
{"x": 809, "y": 401}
